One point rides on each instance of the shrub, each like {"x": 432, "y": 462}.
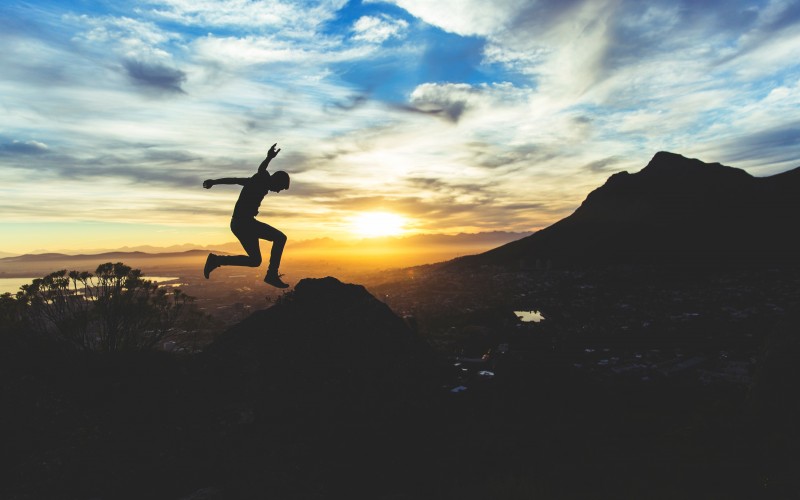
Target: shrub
{"x": 115, "y": 309}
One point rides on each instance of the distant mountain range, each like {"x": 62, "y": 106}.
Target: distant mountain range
{"x": 157, "y": 264}
{"x": 374, "y": 253}
{"x": 485, "y": 239}
{"x": 675, "y": 211}
{"x": 105, "y": 256}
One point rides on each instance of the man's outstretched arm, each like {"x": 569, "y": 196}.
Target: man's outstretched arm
{"x": 272, "y": 153}
{"x": 225, "y": 180}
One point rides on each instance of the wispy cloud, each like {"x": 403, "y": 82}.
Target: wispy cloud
{"x": 374, "y": 29}
{"x": 16, "y": 147}
{"x": 292, "y": 17}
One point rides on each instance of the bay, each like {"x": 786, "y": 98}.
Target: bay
{"x": 12, "y": 285}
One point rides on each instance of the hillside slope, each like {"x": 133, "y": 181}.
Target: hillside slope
{"x": 674, "y": 211}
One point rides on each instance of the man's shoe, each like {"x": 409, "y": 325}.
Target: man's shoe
{"x": 274, "y": 279}
{"x": 211, "y": 264}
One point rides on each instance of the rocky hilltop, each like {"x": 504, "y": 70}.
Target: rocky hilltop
{"x": 325, "y": 339}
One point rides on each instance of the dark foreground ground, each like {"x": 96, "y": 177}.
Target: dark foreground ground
{"x": 329, "y": 394}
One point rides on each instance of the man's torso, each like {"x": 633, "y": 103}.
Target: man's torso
{"x": 252, "y": 194}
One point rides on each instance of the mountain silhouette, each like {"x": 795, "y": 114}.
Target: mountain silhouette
{"x": 675, "y": 211}
{"x": 104, "y": 256}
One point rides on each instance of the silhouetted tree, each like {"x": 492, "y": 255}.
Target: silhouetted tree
{"x": 11, "y": 317}
{"x": 115, "y": 309}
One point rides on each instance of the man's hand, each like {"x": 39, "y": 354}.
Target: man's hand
{"x": 208, "y": 183}
{"x": 272, "y": 153}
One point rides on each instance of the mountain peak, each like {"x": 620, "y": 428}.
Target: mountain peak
{"x": 667, "y": 163}
{"x": 328, "y": 291}
{"x": 665, "y": 156}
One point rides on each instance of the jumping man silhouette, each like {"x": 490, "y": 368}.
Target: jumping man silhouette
{"x": 245, "y": 226}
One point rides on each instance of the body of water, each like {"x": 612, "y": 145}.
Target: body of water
{"x": 12, "y": 285}
{"x": 529, "y": 316}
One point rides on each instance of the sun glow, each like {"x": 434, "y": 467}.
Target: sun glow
{"x": 375, "y": 224}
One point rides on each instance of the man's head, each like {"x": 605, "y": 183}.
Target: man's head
{"x": 279, "y": 181}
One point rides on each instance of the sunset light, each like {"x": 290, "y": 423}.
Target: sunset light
{"x": 463, "y": 116}
{"x": 375, "y": 224}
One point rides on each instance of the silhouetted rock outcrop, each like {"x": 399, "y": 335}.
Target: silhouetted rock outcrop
{"x": 674, "y": 211}
{"x": 311, "y": 387}
{"x": 323, "y": 346}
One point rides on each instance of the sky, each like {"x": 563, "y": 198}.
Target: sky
{"x": 454, "y": 115}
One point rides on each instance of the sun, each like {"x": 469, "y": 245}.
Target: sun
{"x": 375, "y": 224}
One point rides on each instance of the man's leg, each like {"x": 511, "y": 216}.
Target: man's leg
{"x": 278, "y": 239}
{"x": 246, "y": 231}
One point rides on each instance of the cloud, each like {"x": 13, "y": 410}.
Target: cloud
{"x": 155, "y": 76}
{"x": 763, "y": 143}
{"x": 306, "y": 60}
{"x": 602, "y": 164}
{"x": 129, "y": 38}
{"x": 449, "y": 101}
{"x": 351, "y": 102}
{"x": 16, "y": 147}
{"x": 442, "y": 188}
{"x": 143, "y": 50}
{"x": 374, "y": 29}
{"x": 66, "y": 207}
{"x": 771, "y": 150}
{"x": 142, "y": 166}
{"x": 464, "y": 17}
{"x": 452, "y": 100}
{"x": 296, "y": 19}
{"x": 571, "y": 48}
{"x": 247, "y": 50}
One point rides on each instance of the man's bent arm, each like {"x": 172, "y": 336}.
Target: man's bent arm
{"x": 225, "y": 180}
